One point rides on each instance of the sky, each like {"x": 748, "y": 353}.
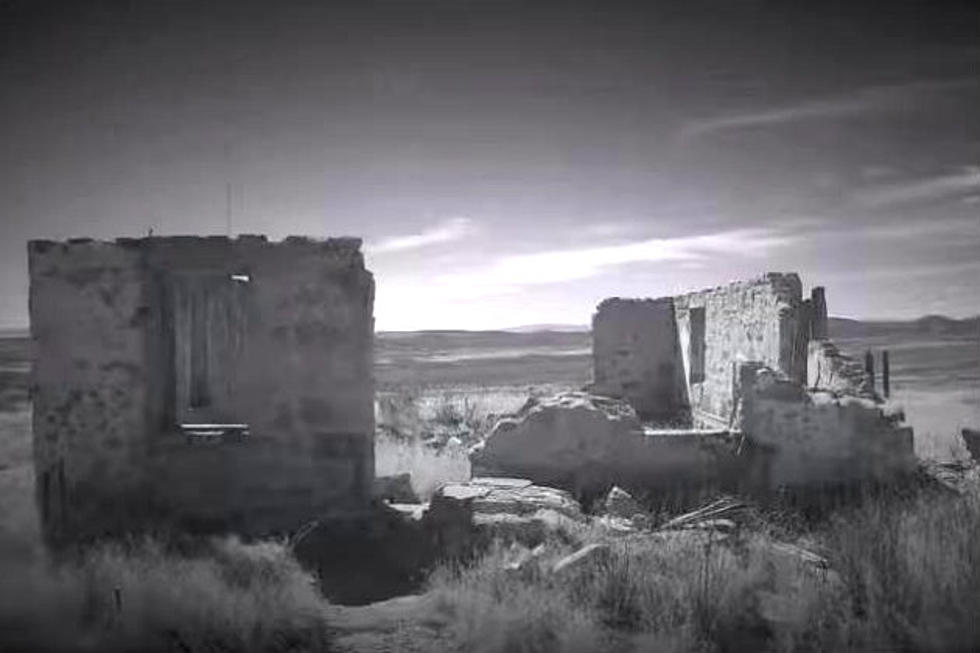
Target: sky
{"x": 512, "y": 163}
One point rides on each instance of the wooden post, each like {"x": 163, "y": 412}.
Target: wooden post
{"x": 869, "y": 368}
{"x": 885, "y": 374}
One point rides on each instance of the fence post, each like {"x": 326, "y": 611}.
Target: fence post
{"x": 885, "y": 374}
{"x": 869, "y": 368}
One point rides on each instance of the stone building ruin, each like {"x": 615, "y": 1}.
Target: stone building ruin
{"x": 752, "y": 359}
{"x": 208, "y": 382}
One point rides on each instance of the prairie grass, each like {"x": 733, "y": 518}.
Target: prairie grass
{"x": 426, "y": 432}
{"x": 904, "y": 574}
{"x": 684, "y": 594}
{"x": 429, "y": 467}
{"x": 912, "y": 568}
{"x": 228, "y": 596}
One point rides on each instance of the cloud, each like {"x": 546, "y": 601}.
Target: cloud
{"x": 865, "y": 100}
{"x": 806, "y": 111}
{"x": 446, "y": 232}
{"x": 965, "y": 181}
{"x": 510, "y": 273}
{"x": 609, "y": 229}
{"x": 490, "y": 295}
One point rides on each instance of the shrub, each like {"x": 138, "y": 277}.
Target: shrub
{"x": 429, "y": 467}
{"x": 139, "y": 596}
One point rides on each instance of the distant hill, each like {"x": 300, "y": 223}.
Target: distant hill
{"x": 936, "y": 325}
{"x": 557, "y": 328}
{"x": 840, "y": 327}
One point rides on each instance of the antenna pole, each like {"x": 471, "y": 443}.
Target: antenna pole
{"x": 228, "y": 208}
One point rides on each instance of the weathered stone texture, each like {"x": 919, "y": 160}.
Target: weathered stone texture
{"x": 746, "y": 321}
{"x": 636, "y": 355}
{"x": 819, "y": 438}
{"x": 586, "y": 443}
{"x": 829, "y": 369}
{"x": 137, "y": 337}
{"x": 87, "y": 304}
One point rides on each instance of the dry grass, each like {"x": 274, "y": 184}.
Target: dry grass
{"x": 685, "y": 595}
{"x": 905, "y": 575}
{"x": 429, "y": 467}
{"x": 913, "y": 571}
{"x": 230, "y": 597}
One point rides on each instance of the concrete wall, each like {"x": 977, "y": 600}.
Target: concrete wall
{"x": 287, "y": 350}
{"x": 757, "y": 320}
{"x": 818, "y": 438}
{"x": 637, "y": 356}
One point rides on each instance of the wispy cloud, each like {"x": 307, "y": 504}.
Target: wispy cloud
{"x": 481, "y": 296}
{"x": 966, "y": 180}
{"x": 445, "y": 232}
{"x": 806, "y": 111}
{"x": 861, "y": 101}
{"x": 609, "y": 228}
{"x": 510, "y": 273}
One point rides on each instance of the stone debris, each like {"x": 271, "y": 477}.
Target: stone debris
{"x": 971, "y": 437}
{"x": 954, "y": 477}
{"x": 620, "y": 503}
{"x": 615, "y": 526}
{"x": 519, "y": 557}
{"x": 465, "y": 516}
{"x": 585, "y": 443}
{"x": 562, "y": 440}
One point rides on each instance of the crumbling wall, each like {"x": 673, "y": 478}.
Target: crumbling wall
{"x": 819, "y": 438}
{"x": 829, "y": 369}
{"x": 636, "y": 356}
{"x": 286, "y": 348}
{"x": 759, "y": 320}
{"x": 88, "y": 312}
{"x": 586, "y": 443}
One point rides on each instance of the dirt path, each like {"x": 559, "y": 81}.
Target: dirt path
{"x": 408, "y": 623}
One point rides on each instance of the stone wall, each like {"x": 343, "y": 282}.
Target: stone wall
{"x": 636, "y": 356}
{"x": 277, "y": 336}
{"x": 819, "y": 438}
{"x": 88, "y": 322}
{"x": 586, "y": 443}
{"x": 758, "y": 320}
{"x": 675, "y": 358}
{"x": 829, "y": 369}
